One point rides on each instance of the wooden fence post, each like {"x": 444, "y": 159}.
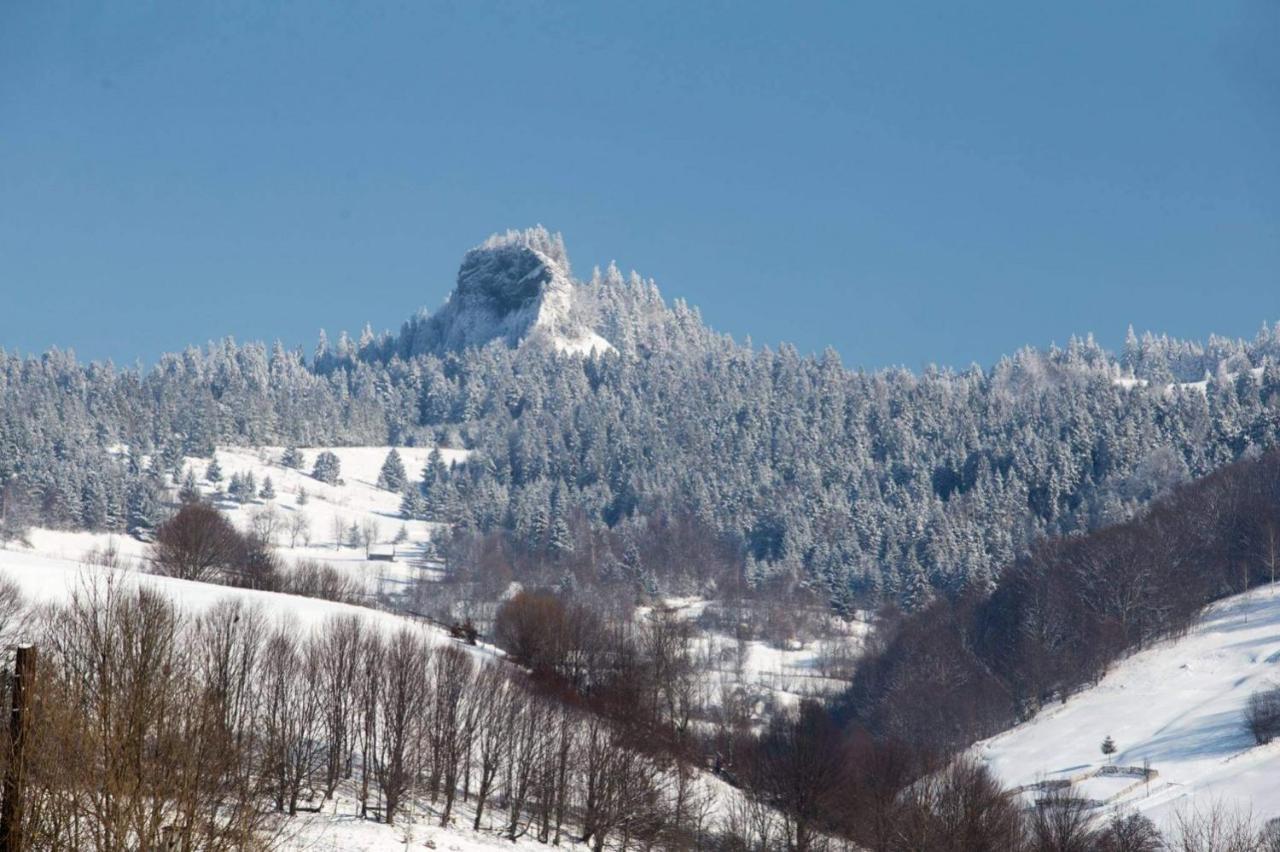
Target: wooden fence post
{"x": 24, "y": 674}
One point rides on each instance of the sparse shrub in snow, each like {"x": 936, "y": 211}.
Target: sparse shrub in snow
{"x": 1129, "y": 833}
{"x": 1216, "y": 828}
{"x": 1060, "y": 821}
{"x": 354, "y": 536}
{"x": 14, "y": 615}
{"x": 106, "y": 556}
{"x": 299, "y": 529}
{"x": 370, "y": 533}
{"x": 266, "y": 524}
{"x": 1262, "y": 715}
{"x": 1270, "y": 837}
{"x": 337, "y": 531}
{"x": 312, "y": 579}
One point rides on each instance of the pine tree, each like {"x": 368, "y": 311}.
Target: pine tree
{"x": 302, "y": 497}
{"x": 268, "y": 491}
{"x": 292, "y": 458}
{"x": 189, "y": 492}
{"x": 142, "y": 510}
{"x": 392, "y": 476}
{"x": 213, "y": 472}
{"x": 916, "y": 592}
{"x": 412, "y": 506}
{"x": 560, "y": 540}
{"x": 170, "y": 458}
{"x": 238, "y": 489}
{"x": 649, "y": 585}
{"x": 434, "y": 473}
{"x": 328, "y": 469}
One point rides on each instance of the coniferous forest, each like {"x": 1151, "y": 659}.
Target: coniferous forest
{"x": 854, "y": 486}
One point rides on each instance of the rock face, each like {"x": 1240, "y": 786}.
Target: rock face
{"x": 514, "y": 287}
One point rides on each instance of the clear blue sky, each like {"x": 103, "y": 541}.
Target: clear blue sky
{"x": 906, "y": 182}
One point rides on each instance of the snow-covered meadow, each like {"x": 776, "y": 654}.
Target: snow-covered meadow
{"x": 1177, "y": 707}
{"x": 328, "y": 513}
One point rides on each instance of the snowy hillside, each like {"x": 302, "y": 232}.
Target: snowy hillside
{"x": 325, "y": 518}
{"x": 54, "y": 565}
{"x": 51, "y": 580}
{"x": 334, "y": 824}
{"x": 1177, "y": 707}
{"x": 763, "y": 676}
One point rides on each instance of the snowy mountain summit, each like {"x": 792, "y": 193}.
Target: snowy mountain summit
{"x": 515, "y": 287}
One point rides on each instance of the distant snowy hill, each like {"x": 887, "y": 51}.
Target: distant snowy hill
{"x": 517, "y": 288}
{"x": 1177, "y": 707}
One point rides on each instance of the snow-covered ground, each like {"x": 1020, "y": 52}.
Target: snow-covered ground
{"x": 337, "y": 826}
{"x": 330, "y": 511}
{"x": 772, "y": 677}
{"x": 330, "y": 508}
{"x": 1178, "y": 706}
{"x": 53, "y": 580}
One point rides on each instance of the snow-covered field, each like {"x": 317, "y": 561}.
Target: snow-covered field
{"x": 774, "y": 678}
{"x": 769, "y": 676}
{"x": 330, "y": 512}
{"x": 1179, "y": 707}
{"x": 53, "y": 580}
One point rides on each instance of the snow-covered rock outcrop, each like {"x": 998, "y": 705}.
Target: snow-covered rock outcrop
{"x": 515, "y": 287}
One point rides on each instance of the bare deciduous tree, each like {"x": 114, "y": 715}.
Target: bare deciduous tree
{"x": 197, "y": 543}
{"x": 299, "y": 526}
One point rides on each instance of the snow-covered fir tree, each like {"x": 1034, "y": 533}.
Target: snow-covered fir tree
{"x": 328, "y": 468}
{"x": 392, "y": 476}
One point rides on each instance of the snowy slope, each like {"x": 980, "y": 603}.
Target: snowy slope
{"x": 770, "y": 677}
{"x": 45, "y": 579}
{"x": 357, "y": 500}
{"x": 1177, "y": 705}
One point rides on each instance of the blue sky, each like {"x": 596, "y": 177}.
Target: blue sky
{"x": 906, "y": 182}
